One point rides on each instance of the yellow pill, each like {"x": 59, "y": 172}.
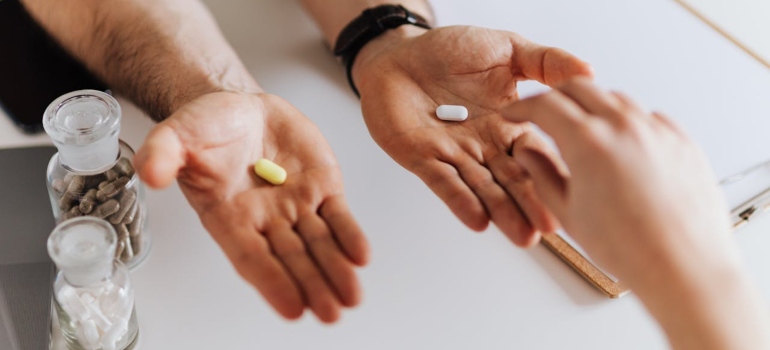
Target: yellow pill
{"x": 271, "y": 172}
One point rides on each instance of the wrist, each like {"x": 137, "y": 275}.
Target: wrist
{"x": 704, "y": 290}
{"x": 384, "y": 43}
{"x": 717, "y": 305}
{"x": 197, "y": 85}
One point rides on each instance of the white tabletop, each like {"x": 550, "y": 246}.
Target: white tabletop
{"x": 432, "y": 283}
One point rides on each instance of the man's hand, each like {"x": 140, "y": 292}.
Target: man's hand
{"x": 296, "y": 243}
{"x": 408, "y": 72}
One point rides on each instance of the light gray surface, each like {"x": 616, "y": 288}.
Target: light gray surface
{"x": 433, "y": 284}
{"x": 27, "y": 301}
{"x": 7, "y": 333}
{"x": 25, "y": 209}
{"x": 26, "y": 271}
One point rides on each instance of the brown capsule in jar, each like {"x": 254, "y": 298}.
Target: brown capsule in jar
{"x": 92, "y": 181}
{"x": 65, "y": 204}
{"x": 106, "y": 209}
{"x": 59, "y": 185}
{"x": 128, "y": 253}
{"x": 122, "y": 231}
{"x": 111, "y": 175}
{"x": 72, "y": 213}
{"x": 74, "y": 189}
{"x": 124, "y": 167}
{"x": 112, "y": 189}
{"x": 136, "y": 244}
{"x": 119, "y": 249}
{"x": 126, "y": 201}
{"x": 88, "y": 202}
{"x": 76, "y": 184}
{"x": 135, "y": 227}
{"x": 131, "y": 214}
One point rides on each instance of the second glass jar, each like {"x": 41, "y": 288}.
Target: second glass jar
{"x": 93, "y": 174}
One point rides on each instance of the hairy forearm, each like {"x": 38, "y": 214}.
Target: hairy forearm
{"x": 333, "y": 16}
{"x": 159, "y": 53}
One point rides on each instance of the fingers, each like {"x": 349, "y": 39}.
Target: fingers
{"x": 161, "y": 157}
{"x": 555, "y": 113}
{"x": 548, "y": 65}
{"x": 315, "y": 287}
{"x": 444, "y": 180}
{"x": 594, "y": 100}
{"x": 533, "y": 142}
{"x": 664, "y": 120}
{"x": 335, "y": 265}
{"x": 518, "y": 182}
{"x": 349, "y": 235}
{"x": 292, "y": 269}
{"x": 250, "y": 254}
{"x": 501, "y": 208}
{"x": 547, "y": 173}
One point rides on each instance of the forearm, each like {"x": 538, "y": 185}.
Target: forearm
{"x": 333, "y": 16}
{"x": 708, "y": 302}
{"x": 159, "y": 53}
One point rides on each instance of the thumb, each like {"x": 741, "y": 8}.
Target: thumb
{"x": 548, "y": 65}
{"x": 161, "y": 157}
{"x": 547, "y": 173}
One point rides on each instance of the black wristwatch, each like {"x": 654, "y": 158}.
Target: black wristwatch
{"x": 369, "y": 25}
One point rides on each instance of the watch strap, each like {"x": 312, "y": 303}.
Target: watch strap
{"x": 370, "y": 24}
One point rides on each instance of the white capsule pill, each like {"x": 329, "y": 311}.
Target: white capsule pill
{"x": 80, "y": 335}
{"x": 71, "y": 303}
{"x": 452, "y": 113}
{"x": 111, "y": 300}
{"x": 90, "y": 335}
{"x": 123, "y": 306}
{"x": 115, "y": 333}
{"x": 97, "y": 315}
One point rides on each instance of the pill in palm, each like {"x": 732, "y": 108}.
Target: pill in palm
{"x": 271, "y": 172}
{"x": 452, "y": 113}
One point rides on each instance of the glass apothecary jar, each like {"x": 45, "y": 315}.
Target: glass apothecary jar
{"x": 93, "y": 295}
{"x": 92, "y": 174}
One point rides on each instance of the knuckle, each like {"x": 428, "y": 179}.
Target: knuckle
{"x": 593, "y": 133}
{"x": 316, "y": 237}
{"x": 480, "y": 180}
{"x": 577, "y": 82}
{"x": 242, "y": 263}
{"x": 291, "y": 249}
{"x": 517, "y": 175}
{"x": 550, "y": 97}
{"x": 632, "y": 127}
{"x": 312, "y": 279}
{"x": 436, "y": 176}
{"x": 445, "y": 151}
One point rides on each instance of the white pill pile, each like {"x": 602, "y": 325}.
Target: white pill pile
{"x": 452, "y": 113}
{"x": 100, "y": 313}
